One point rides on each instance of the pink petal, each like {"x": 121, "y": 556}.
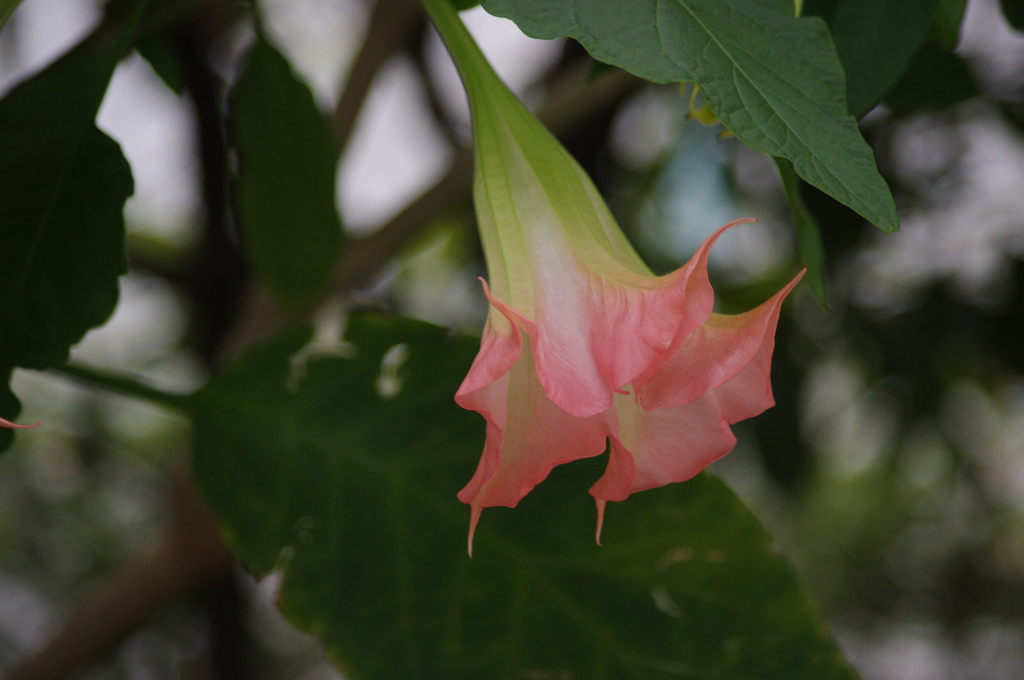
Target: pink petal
{"x": 716, "y": 352}
{"x": 499, "y": 348}
{"x": 590, "y": 334}
{"x": 593, "y": 334}
{"x": 729, "y": 358}
{"x": 655, "y": 448}
{"x": 16, "y": 426}
{"x": 527, "y": 436}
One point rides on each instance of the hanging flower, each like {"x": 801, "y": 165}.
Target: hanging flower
{"x": 583, "y": 343}
{"x": 669, "y": 429}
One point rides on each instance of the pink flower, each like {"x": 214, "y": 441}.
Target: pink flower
{"x": 583, "y": 344}
{"x": 667, "y": 430}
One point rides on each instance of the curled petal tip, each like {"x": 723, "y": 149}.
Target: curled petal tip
{"x": 742, "y": 220}
{"x": 600, "y": 503}
{"x": 17, "y": 426}
{"x": 474, "y": 517}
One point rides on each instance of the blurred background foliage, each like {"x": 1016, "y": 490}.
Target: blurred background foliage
{"x": 891, "y": 471}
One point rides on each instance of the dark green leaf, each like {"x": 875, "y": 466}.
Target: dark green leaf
{"x": 63, "y": 185}
{"x": 807, "y": 230}
{"x": 820, "y": 8}
{"x": 7, "y": 8}
{"x": 934, "y": 80}
{"x": 773, "y": 79}
{"x": 1013, "y": 10}
{"x": 949, "y": 15}
{"x": 286, "y": 179}
{"x": 875, "y": 40}
{"x": 352, "y": 495}
{"x": 157, "y": 51}
{"x": 598, "y": 69}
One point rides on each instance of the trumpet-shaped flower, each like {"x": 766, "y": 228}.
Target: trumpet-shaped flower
{"x": 583, "y": 344}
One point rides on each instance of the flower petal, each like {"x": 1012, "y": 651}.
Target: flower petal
{"x": 716, "y": 352}
{"x": 654, "y": 448}
{"x": 595, "y": 334}
{"x": 527, "y": 436}
{"x": 17, "y": 426}
{"x": 722, "y": 370}
{"x": 499, "y": 348}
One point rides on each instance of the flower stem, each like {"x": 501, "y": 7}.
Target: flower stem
{"x": 477, "y": 75}
{"x": 124, "y": 384}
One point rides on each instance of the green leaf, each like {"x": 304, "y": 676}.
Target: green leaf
{"x": 773, "y": 79}
{"x": 156, "y": 49}
{"x": 7, "y": 8}
{"x": 1013, "y": 10}
{"x": 934, "y": 80}
{"x": 946, "y": 22}
{"x": 63, "y": 185}
{"x": 807, "y": 230}
{"x": 821, "y": 8}
{"x": 286, "y": 179}
{"x": 352, "y": 495}
{"x": 876, "y": 40}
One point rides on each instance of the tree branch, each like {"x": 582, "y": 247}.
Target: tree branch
{"x": 124, "y": 384}
{"x": 574, "y": 99}
{"x": 572, "y": 102}
{"x": 190, "y": 554}
{"x": 390, "y": 25}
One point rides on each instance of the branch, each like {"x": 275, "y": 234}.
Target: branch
{"x": 124, "y": 384}
{"x": 391, "y": 24}
{"x": 572, "y": 102}
{"x": 191, "y": 553}
{"x": 574, "y": 99}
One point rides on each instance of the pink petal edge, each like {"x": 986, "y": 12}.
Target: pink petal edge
{"x": 17, "y": 426}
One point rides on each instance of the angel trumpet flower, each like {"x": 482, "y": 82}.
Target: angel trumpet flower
{"x": 583, "y": 343}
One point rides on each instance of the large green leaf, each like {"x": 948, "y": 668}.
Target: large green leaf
{"x": 934, "y": 79}
{"x": 352, "y": 495}
{"x": 876, "y": 40}
{"x": 949, "y": 16}
{"x": 773, "y": 79}
{"x": 286, "y": 180}
{"x": 63, "y": 185}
